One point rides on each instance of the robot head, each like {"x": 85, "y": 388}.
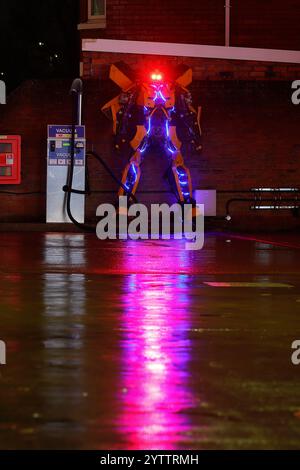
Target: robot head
{"x": 156, "y": 77}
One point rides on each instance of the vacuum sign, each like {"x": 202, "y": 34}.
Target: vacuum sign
{"x": 65, "y": 132}
{"x": 60, "y": 142}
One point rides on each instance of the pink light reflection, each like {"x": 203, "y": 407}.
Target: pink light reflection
{"x": 155, "y": 376}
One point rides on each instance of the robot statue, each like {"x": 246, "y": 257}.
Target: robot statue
{"x": 155, "y": 110}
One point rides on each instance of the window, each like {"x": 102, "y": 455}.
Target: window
{"x": 97, "y": 9}
{"x": 93, "y": 14}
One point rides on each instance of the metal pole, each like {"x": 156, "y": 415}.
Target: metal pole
{"x": 76, "y": 88}
{"x": 79, "y": 109}
{"x": 227, "y": 23}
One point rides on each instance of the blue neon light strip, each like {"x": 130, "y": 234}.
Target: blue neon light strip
{"x": 130, "y": 184}
{"x": 168, "y": 138}
{"x": 143, "y": 148}
{"x": 162, "y": 96}
{"x": 149, "y": 126}
{"x": 182, "y": 182}
{"x": 134, "y": 170}
{"x": 167, "y": 128}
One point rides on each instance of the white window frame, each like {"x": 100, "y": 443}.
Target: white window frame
{"x": 95, "y": 17}
{"x": 93, "y": 21}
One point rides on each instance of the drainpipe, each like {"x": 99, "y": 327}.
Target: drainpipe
{"x": 227, "y": 23}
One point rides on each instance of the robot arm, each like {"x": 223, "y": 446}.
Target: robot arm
{"x": 188, "y": 119}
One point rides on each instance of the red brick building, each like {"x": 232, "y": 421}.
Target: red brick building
{"x": 244, "y": 58}
{"x": 244, "y": 55}
{"x": 272, "y": 25}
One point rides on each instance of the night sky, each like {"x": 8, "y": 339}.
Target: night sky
{"x": 38, "y": 39}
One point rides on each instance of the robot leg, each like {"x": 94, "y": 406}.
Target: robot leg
{"x": 181, "y": 174}
{"x": 182, "y": 179}
{"x": 132, "y": 171}
{"x": 131, "y": 174}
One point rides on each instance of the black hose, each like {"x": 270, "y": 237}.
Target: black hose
{"x": 68, "y": 188}
{"x": 110, "y": 172}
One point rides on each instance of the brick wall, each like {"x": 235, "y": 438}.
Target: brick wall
{"x": 267, "y": 24}
{"x": 251, "y": 138}
{"x": 167, "y": 20}
{"x": 271, "y": 24}
{"x": 28, "y": 111}
{"x": 254, "y": 23}
{"x": 96, "y": 65}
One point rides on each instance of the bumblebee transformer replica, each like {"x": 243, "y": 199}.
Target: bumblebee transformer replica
{"x": 155, "y": 110}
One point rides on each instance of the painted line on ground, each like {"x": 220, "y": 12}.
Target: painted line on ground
{"x": 261, "y": 285}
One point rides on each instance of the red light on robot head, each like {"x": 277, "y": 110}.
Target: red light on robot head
{"x": 156, "y": 77}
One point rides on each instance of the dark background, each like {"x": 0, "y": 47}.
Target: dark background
{"x": 23, "y": 25}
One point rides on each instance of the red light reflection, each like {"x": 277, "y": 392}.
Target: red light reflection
{"x": 155, "y": 381}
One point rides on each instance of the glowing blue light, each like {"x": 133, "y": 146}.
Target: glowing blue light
{"x": 170, "y": 150}
{"x": 149, "y": 126}
{"x": 167, "y": 128}
{"x": 168, "y": 138}
{"x": 183, "y": 181}
{"x": 134, "y": 169}
{"x": 143, "y": 148}
{"x": 131, "y": 177}
{"x": 158, "y": 94}
{"x": 162, "y": 96}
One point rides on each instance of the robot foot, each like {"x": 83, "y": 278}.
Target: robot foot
{"x": 193, "y": 212}
{"x": 123, "y": 208}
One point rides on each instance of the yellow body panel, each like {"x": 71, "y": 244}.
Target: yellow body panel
{"x": 114, "y": 106}
{"x": 136, "y": 161}
{"x": 185, "y": 79}
{"x": 174, "y": 138}
{"x": 120, "y": 78}
{"x": 140, "y": 134}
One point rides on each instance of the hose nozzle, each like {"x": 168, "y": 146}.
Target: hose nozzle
{"x": 76, "y": 86}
